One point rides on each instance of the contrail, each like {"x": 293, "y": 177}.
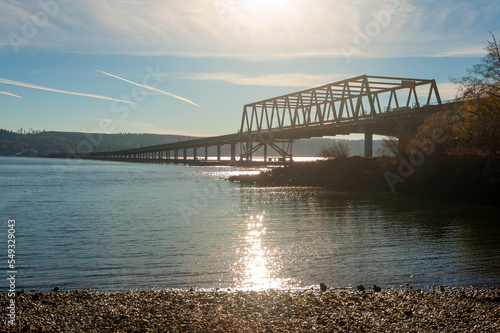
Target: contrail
{"x": 28, "y": 85}
{"x": 9, "y": 94}
{"x": 151, "y": 88}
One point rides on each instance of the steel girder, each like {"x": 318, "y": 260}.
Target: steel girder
{"x": 358, "y": 98}
{"x": 341, "y": 107}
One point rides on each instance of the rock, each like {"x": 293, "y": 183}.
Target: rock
{"x": 361, "y": 287}
{"x": 377, "y": 289}
{"x": 323, "y": 287}
{"x": 56, "y": 289}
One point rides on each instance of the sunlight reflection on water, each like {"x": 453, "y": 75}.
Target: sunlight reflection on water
{"x": 257, "y": 267}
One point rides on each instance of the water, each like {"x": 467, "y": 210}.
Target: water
{"x": 117, "y": 226}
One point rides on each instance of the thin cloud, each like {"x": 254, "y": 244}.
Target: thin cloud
{"x": 272, "y": 80}
{"x": 151, "y": 88}
{"x": 240, "y": 29}
{"x": 464, "y": 52}
{"x": 9, "y": 94}
{"x": 32, "y": 86}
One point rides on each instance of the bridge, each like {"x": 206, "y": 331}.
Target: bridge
{"x": 391, "y": 106}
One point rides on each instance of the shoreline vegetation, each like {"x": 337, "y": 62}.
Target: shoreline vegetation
{"x": 441, "y": 309}
{"x": 452, "y": 177}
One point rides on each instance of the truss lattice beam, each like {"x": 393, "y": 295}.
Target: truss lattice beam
{"x": 352, "y": 99}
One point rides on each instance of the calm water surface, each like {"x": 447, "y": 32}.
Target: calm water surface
{"x": 117, "y": 226}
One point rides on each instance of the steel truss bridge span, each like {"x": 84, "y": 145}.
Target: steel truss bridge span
{"x": 362, "y": 104}
{"x": 392, "y": 106}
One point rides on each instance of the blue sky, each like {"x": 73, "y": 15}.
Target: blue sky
{"x": 188, "y": 67}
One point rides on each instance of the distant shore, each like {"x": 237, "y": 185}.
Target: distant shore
{"x": 441, "y": 310}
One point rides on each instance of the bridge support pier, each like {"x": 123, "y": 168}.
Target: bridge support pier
{"x": 185, "y": 156}
{"x": 368, "y": 144}
{"x": 218, "y": 152}
{"x": 249, "y": 151}
{"x": 233, "y": 151}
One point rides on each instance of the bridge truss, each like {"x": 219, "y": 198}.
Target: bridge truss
{"x": 362, "y": 104}
{"x": 329, "y": 107}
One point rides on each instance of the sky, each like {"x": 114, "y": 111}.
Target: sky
{"x": 189, "y": 67}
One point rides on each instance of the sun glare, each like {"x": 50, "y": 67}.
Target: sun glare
{"x": 266, "y": 5}
{"x": 256, "y": 268}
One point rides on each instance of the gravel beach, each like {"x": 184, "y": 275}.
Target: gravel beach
{"x": 439, "y": 310}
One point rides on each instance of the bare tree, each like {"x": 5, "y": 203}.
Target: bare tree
{"x": 389, "y": 146}
{"x": 337, "y": 149}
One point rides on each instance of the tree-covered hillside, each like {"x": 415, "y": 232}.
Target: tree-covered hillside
{"x": 37, "y": 143}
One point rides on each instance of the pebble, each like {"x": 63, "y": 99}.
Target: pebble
{"x": 391, "y": 310}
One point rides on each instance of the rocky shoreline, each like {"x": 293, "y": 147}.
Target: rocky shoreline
{"x": 408, "y": 310}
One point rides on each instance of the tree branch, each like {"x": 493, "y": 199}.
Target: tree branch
{"x": 495, "y": 46}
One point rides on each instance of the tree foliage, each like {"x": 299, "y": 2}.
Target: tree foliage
{"x": 441, "y": 125}
{"x": 479, "y": 126}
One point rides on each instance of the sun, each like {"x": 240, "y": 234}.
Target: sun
{"x": 266, "y": 5}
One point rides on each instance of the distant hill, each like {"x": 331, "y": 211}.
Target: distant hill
{"x": 40, "y": 143}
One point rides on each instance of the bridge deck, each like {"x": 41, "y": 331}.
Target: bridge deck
{"x": 363, "y": 104}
